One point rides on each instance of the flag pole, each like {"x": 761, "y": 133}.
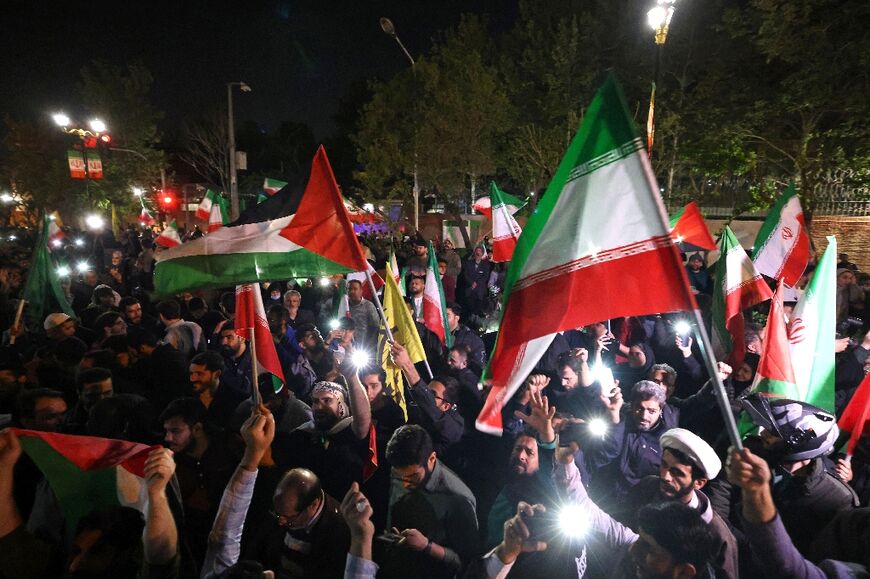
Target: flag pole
{"x": 255, "y": 380}
{"x": 703, "y": 339}
{"x": 17, "y": 321}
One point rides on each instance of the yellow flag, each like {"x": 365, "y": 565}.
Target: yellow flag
{"x": 405, "y": 333}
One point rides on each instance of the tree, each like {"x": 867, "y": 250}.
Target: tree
{"x": 206, "y": 150}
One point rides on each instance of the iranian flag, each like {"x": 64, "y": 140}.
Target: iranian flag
{"x": 169, "y": 237}
{"x": 485, "y": 204}
{"x": 87, "y": 473}
{"x": 738, "y": 286}
{"x": 219, "y": 215}
{"x": 782, "y": 247}
{"x": 272, "y": 186}
{"x": 811, "y": 333}
{"x": 290, "y": 235}
{"x": 204, "y": 210}
{"x": 775, "y": 376}
{"x": 55, "y": 233}
{"x": 434, "y": 304}
{"x": 251, "y": 318}
{"x": 360, "y": 276}
{"x": 394, "y": 271}
{"x": 505, "y": 230}
{"x": 689, "y": 230}
{"x": 145, "y": 218}
{"x": 597, "y": 247}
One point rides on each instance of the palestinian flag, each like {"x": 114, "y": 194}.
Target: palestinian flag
{"x": 811, "y": 333}
{"x": 272, "y": 186}
{"x": 485, "y": 204}
{"x": 598, "y": 238}
{"x": 42, "y": 290}
{"x": 856, "y": 414}
{"x": 689, "y": 230}
{"x": 775, "y": 376}
{"x": 251, "y": 318}
{"x": 505, "y": 230}
{"x": 782, "y": 247}
{"x": 87, "y": 473}
{"x": 738, "y": 287}
{"x": 434, "y": 304}
{"x": 204, "y": 210}
{"x": 219, "y": 215}
{"x": 169, "y": 237}
{"x": 291, "y": 235}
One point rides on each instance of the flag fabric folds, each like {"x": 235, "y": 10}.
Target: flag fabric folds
{"x": 689, "y": 230}
{"x": 145, "y": 218}
{"x": 434, "y": 304}
{"x": 87, "y": 473}
{"x": 738, "y": 287}
{"x": 272, "y": 186}
{"x": 505, "y": 230}
{"x": 290, "y": 235}
{"x": 360, "y": 276}
{"x": 55, "y": 233}
{"x": 169, "y": 237}
{"x": 856, "y": 414}
{"x": 219, "y": 215}
{"x": 811, "y": 333}
{"x": 782, "y": 247}
{"x": 405, "y": 333}
{"x": 204, "y": 210}
{"x": 251, "y": 316}
{"x": 486, "y": 203}
{"x": 599, "y": 239}
{"x": 42, "y": 291}
{"x": 775, "y": 375}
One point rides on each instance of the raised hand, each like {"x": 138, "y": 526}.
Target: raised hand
{"x": 537, "y": 382}
{"x": 517, "y": 537}
{"x": 581, "y": 354}
{"x": 748, "y": 471}
{"x": 613, "y": 401}
{"x": 159, "y": 468}
{"x": 541, "y": 416}
{"x": 357, "y": 513}
{"x": 10, "y": 449}
{"x": 258, "y": 432}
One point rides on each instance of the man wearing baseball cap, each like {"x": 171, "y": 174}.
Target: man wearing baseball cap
{"x": 59, "y": 326}
{"x": 688, "y": 463}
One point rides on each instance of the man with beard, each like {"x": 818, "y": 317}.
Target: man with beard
{"x": 237, "y": 358}
{"x": 416, "y": 287}
{"x": 335, "y": 443}
{"x": 432, "y": 512}
{"x": 135, "y": 317}
{"x": 635, "y": 451}
{"x": 313, "y": 364}
{"x": 470, "y": 396}
{"x": 688, "y": 463}
{"x": 221, "y": 400}
{"x": 364, "y": 315}
{"x": 203, "y": 467}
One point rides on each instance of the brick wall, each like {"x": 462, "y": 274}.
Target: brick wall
{"x": 853, "y": 237}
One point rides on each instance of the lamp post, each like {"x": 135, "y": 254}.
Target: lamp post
{"x": 234, "y": 180}
{"x": 659, "y": 18}
{"x": 390, "y": 30}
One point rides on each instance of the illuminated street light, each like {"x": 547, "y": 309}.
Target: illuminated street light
{"x": 61, "y": 119}
{"x": 97, "y": 126}
{"x": 138, "y": 191}
{"x": 659, "y": 18}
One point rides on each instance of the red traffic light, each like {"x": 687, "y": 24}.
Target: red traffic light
{"x": 167, "y": 200}
{"x": 90, "y": 142}
{"x": 106, "y": 138}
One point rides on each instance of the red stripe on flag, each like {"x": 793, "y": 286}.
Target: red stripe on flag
{"x": 432, "y": 318}
{"x": 594, "y": 289}
{"x": 854, "y": 418}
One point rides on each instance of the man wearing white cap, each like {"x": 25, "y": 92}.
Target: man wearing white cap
{"x": 59, "y": 326}
{"x": 688, "y": 463}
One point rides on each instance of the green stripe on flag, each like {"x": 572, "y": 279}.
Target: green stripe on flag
{"x": 772, "y": 220}
{"x": 79, "y": 492}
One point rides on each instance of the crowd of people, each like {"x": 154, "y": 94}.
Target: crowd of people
{"x": 614, "y": 460}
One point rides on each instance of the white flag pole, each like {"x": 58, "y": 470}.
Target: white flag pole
{"x": 255, "y": 382}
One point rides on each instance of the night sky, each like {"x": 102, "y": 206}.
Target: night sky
{"x": 298, "y": 56}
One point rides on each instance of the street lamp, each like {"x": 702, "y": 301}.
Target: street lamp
{"x": 61, "y": 119}
{"x": 234, "y": 182}
{"x": 659, "y": 18}
{"x": 97, "y": 126}
{"x": 390, "y": 30}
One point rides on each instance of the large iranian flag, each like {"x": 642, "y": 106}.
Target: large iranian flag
{"x": 290, "y": 235}
{"x": 434, "y": 304}
{"x": 505, "y": 230}
{"x": 782, "y": 247}
{"x": 812, "y": 331}
{"x": 87, "y": 473}
{"x": 597, "y": 247}
{"x": 738, "y": 286}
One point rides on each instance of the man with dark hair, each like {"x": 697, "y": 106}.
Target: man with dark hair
{"x": 465, "y": 336}
{"x": 448, "y": 282}
{"x": 364, "y": 315}
{"x": 221, "y": 400}
{"x": 203, "y": 466}
{"x": 135, "y": 317}
{"x": 109, "y": 324}
{"x": 93, "y": 384}
{"x": 102, "y": 300}
{"x": 186, "y": 337}
{"x": 41, "y": 409}
{"x": 237, "y": 358}
{"x": 432, "y": 512}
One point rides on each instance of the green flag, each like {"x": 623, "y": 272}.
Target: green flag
{"x": 42, "y": 290}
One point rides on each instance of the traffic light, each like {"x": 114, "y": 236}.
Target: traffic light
{"x": 167, "y": 200}
{"x": 105, "y": 139}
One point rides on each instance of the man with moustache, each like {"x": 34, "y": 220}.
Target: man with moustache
{"x": 219, "y": 399}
